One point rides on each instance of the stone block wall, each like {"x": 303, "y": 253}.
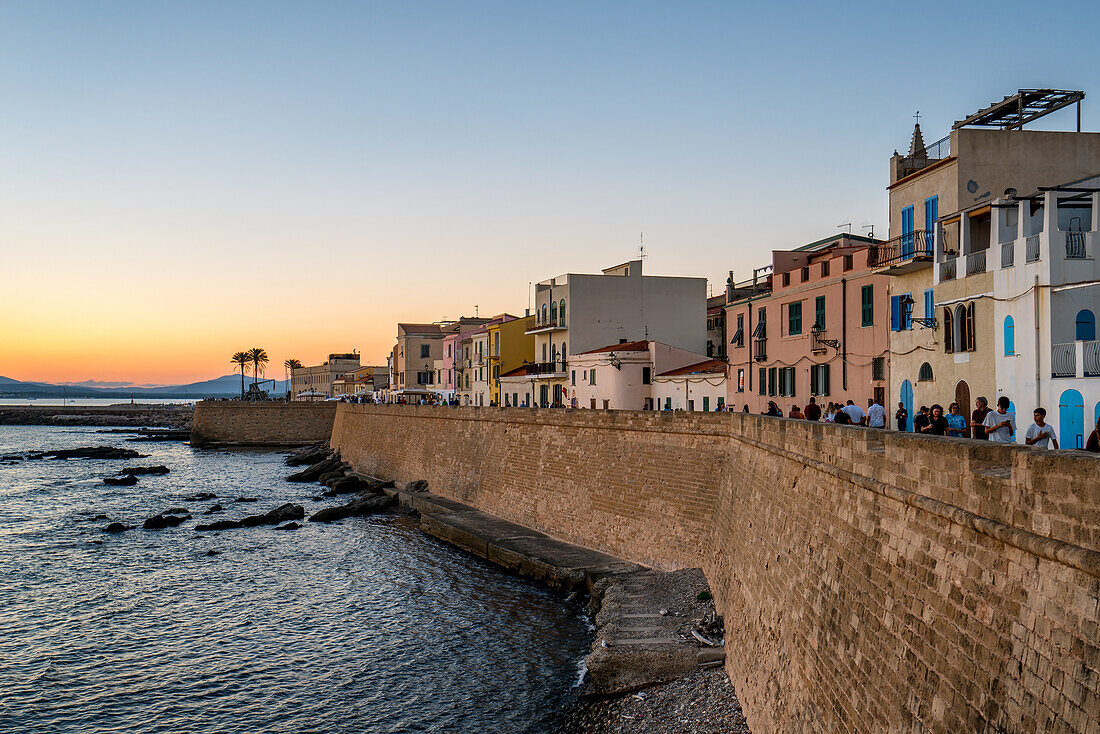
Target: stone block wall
{"x": 870, "y": 581}
{"x": 234, "y": 423}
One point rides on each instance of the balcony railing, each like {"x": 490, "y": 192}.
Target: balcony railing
{"x": 909, "y": 246}
{"x": 947, "y": 270}
{"x": 1063, "y": 360}
{"x": 1033, "y": 248}
{"x": 546, "y": 368}
{"x": 1008, "y": 253}
{"x": 975, "y": 262}
{"x": 1091, "y": 358}
{"x": 550, "y": 323}
{"x": 1075, "y": 245}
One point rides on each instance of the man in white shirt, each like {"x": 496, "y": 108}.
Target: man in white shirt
{"x": 1040, "y": 433}
{"x": 854, "y": 412}
{"x": 876, "y": 415}
{"x": 1000, "y": 425}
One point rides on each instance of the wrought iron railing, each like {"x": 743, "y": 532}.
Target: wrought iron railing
{"x": 918, "y": 244}
{"x": 1063, "y": 360}
{"x": 546, "y": 368}
{"x": 947, "y": 270}
{"x": 1008, "y": 253}
{"x": 549, "y": 323}
{"x": 975, "y": 262}
{"x": 1091, "y": 358}
{"x": 1033, "y": 248}
{"x": 1075, "y": 245}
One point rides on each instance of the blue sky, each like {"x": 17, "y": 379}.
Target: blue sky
{"x": 365, "y": 163}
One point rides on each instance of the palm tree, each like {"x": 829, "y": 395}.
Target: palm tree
{"x": 259, "y": 359}
{"x": 289, "y": 366}
{"x": 241, "y": 359}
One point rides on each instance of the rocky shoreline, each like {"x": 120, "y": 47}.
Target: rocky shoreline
{"x": 136, "y": 415}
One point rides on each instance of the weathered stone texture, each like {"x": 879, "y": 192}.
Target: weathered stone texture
{"x": 224, "y": 422}
{"x": 870, "y": 581}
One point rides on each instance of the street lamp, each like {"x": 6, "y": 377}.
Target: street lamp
{"x": 907, "y": 310}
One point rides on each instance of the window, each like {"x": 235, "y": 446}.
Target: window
{"x": 592, "y": 403}
{"x": 878, "y": 368}
{"x": 706, "y": 404}
{"x": 931, "y": 214}
{"x": 543, "y": 352}
{"x": 786, "y": 381}
{"x": 773, "y": 381}
{"x": 1086, "y": 326}
{"x": 948, "y": 331}
{"x": 592, "y": 380}
{"x": 739, "y": 335}
{"x": 907, "y": 231}
{"x": 496, "y": 344}
{"x": 740, "y": 380}
{"x": 647, "y": 375}
{"x": 561, "y": 312}
{"x": 710, "y": 348}
{"x": 425, "y": 350}
{"x": 867, "y": 304}
{"x": 805, "y": 273}
{"x": 668, "y": 403}
{"x": 819, "y": 313}
{"x": 970, "y": 327}
{"x": 1010, "y": 336}
{"x": 925, "y": 373}
{"x": 929, "y": 306}
{"x": 424, "y": 378}
{"x": 710, "y": 324}
{"x": 554, "y": 312}
{"x": 573, "y": 378}
{"x": 786, "y": 279}
{"x": 824, "y": 268}
{"x": 901, "y": 312}
{"x": 721, "y": 403}
{"x": 848, "y": 263}
{"x": 819, "y": 379}
{"x": 763, "y": 381}
{"x": 544, "y": 319}
{"x": 794, "y": 318}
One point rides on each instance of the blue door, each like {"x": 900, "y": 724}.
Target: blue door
{"x": 907, "y": 231}
{"x": 931, "y": 214}
{"x": 1071, "y": 420}
{"x": 907, "y": 402}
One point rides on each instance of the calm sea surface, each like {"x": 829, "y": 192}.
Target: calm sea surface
{"x": 361, "y": 626}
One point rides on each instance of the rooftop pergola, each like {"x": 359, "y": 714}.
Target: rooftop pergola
{"x": 1027, "y": 105}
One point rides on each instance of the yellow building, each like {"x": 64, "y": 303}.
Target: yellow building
{"x": 509, "y": 347}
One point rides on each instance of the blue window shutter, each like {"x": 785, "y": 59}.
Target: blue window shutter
{"x": 1010, "y": 336}
{"x": 895, "y": 313}
{"x": 928, "y": 305}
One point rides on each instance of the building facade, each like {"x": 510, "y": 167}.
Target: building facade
{"x": 621, "y": 376}
{"x": 695, "y": 387}
{"x": 311, "y": 383}
{"x": 510, "y": 346}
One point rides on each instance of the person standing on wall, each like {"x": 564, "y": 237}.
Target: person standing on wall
{"x": 1000, "y": 424}
{"x": 876, "y": 415}
{"x": 977, "y": 418}
{"x": 902, "y": 417}
{"x": 1040, "y": 433}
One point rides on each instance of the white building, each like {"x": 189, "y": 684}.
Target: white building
{"x": 1046, "y": 294}
{"x": 700, "y": 386}
{"x": 621, "y": 376}
{"x": 577, "y": 312}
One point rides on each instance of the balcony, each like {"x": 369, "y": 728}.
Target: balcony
{"x": 1008, "y": 254}
{"x": 947, "y": 270}
{"x": 547, "y": 326}
{"x": 1033, "y": 248}
{"x": 975, "y": 262}
{"x": 904, "y": 253}
{"x": 1064, "y": 359}
{"x": 546, "y": 369}
{"x": 1075, "y": 246}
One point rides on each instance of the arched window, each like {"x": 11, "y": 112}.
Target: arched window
{"x": 544, "y": 321}
{"x": 563, "y": 352}
{"x": 970, "y": 327}
{"x": 925, "y": 373}
{"x": 554, "y": 312}
{"x": 948, "y": 331}
{"x": 561, "y": 311}
{"x": 1086, "y": 326}
{"x": 1010, "y": 336}
{"x": 960, "y": 328}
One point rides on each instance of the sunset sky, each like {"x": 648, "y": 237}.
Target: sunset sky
{"x": 180, "y": 181}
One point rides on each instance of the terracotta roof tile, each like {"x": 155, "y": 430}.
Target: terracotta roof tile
{"x": 639, "y": 346}
{"x": 710, "y": 366}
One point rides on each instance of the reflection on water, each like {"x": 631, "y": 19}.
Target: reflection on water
{"x": 364, "y": 626}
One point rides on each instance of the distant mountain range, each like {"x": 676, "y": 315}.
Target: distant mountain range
{"x": 226, "y": 386}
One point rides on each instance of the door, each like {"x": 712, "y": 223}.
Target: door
{"x": 543, "y": 394}
{"x": 1071, "y": 420}
{"x": 907, "y": 402}
{"x": 962, "y": 397}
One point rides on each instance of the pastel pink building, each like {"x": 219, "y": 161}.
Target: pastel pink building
{"x": 815, "y": 324}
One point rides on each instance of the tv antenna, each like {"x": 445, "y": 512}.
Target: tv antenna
{"x": 870, "y": 227}
{"x": 475, "y": 310}
{"x": 845, "y": 224}
{"x": 641, "y": 246}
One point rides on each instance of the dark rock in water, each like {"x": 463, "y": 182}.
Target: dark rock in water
{"x": 176, "y": 511}
{"x": 280, "y": 514}
{"x": 100, "y": 517}
{"x": 160, "y": 522}
{"x": 212, "y": 510}
{"x": 355, "y": 508}
{"x": 116, "y": 527}
{"x": 308, "y": 455}
{"x": 314, "y": 471}
{"x": 420, "y": 485}
{"x": 330, "y": 476}
{"x": 219, "y": 525}
{"x": 96, "y": 542}
{"x": 93, "y": 452}
{"x": 145, "y": 470}
{"x": 247, "y": 499}
{"x": 200, "y": 497}
{"x": 212, "y": 552}
{"x": 289, "y": 526}
{"x": 349, "y": 485}
{"x": 317, "y": 499}
{"x": 127, "y": 480}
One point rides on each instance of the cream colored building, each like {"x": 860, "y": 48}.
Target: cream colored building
{"x": 316, "y": 382}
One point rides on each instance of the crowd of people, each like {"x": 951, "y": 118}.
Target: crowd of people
{"x": 984, "y": 423}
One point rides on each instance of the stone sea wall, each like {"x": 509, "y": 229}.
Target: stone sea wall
{"x": 235, "y": 423}
{"x": 870, "y": 581}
